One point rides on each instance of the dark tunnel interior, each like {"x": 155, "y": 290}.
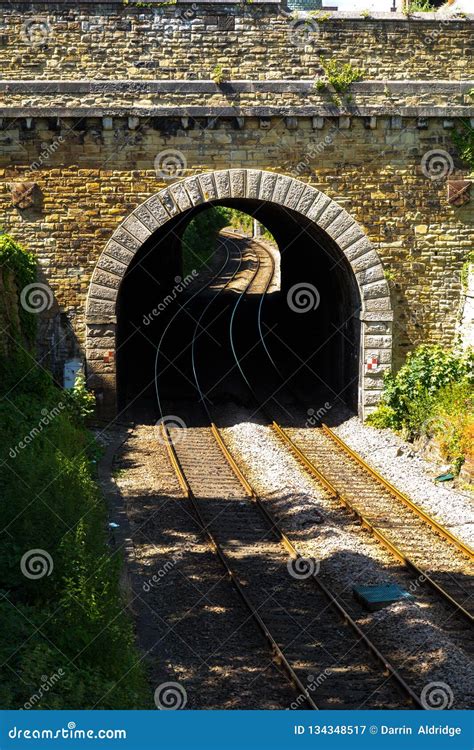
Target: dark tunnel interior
{"x": 316, "y": 351}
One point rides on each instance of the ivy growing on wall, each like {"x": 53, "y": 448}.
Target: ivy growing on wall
{"x": 22, "y": 265}
{"x": 463, "y": 139}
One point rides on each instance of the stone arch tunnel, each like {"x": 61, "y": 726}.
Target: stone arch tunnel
{"x": 78, "y": 154}
{"x": 321, "y": 246}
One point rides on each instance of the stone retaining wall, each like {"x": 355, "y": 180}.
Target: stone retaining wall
{"x": 95, "y": 97}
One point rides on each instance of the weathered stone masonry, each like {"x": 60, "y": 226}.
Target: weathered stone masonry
{"x": 250, "y": 40}
{"x": 86, "y": 111}
{"x": 376, "y": 315}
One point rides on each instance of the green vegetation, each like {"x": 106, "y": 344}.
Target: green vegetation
{"x": 244, "y": 223}
{"x": 432, "y": 395}
{"x": 65, "y": 642}
{"x": 463, "y": 139}
{"x": 340, "y": 77}
{"x": 218, "y": 75}
{"x": 22, "y": 266}
{"x": 419, "y": 6}
{"x": 465, "y": 269}
{"x": 390, "y": 274}
{"x": 72, "y": 618}
{"x": 199, "y": 238}
{"x": 319, "y": 15}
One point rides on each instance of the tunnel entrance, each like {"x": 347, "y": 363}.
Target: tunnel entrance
{"x": 310, "y": 319}
{"x": 328, "y": 326}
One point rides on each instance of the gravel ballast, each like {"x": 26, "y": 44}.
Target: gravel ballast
{"x": 413, "y": 475}
{"x": 348, "y": 557}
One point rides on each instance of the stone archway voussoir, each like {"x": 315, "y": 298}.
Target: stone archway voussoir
{"x": 136, "y": 228}
{"x": 339, "y": 225}
{"x": 250, "y": 184}
{"x": 208, "y": 186}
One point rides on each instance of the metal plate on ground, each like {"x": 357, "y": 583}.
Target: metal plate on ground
{"x": 378, "y": 597}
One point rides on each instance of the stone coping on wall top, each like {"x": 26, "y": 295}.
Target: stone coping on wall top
{"x": 106, "y": 110}
{"x": 183, "y": 86}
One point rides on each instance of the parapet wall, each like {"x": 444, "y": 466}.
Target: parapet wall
{"x": 261, "y": 41}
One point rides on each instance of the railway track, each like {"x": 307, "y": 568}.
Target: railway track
{"x": 311, "y": 635}
{"x": 309, "y": 632}
{"x": 430, "y": 551}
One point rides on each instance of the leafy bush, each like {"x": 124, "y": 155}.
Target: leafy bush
{"x": 80, "y": 400}
{"x": 218, "y": 74}
{"x": 452, "y": 422}
{"x": 432, "y": 395}
{"x": 23, "y": 267}
{"x": 463, "y": 138}
{"x": 420, "y": 6}
{"x": 339, "y": 75}
{"x": 72, "y": 618}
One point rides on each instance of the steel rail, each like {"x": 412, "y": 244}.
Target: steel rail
{"x": 392, "y": 548}
{"x": 439, "y": 528}
{"x": 216, "y": 547}
{"x": 259, "y": 315}
{"x": 174, "y": 459}
{"x": 198, "y": 323}
{"x": 188, "y": 493}
{"x": 171, "y": 321}
{"x": 396, "y": 551}
{"x": 278, "y": 532}
{"x": 296, "y": 555}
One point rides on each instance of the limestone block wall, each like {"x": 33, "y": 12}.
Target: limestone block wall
{"x": 97, "y": 176}
{"x": 102, "y": 105}
{"x": 50, "y": 40}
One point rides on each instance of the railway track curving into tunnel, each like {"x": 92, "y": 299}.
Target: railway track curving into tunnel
{"x": 312, "y": 636}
